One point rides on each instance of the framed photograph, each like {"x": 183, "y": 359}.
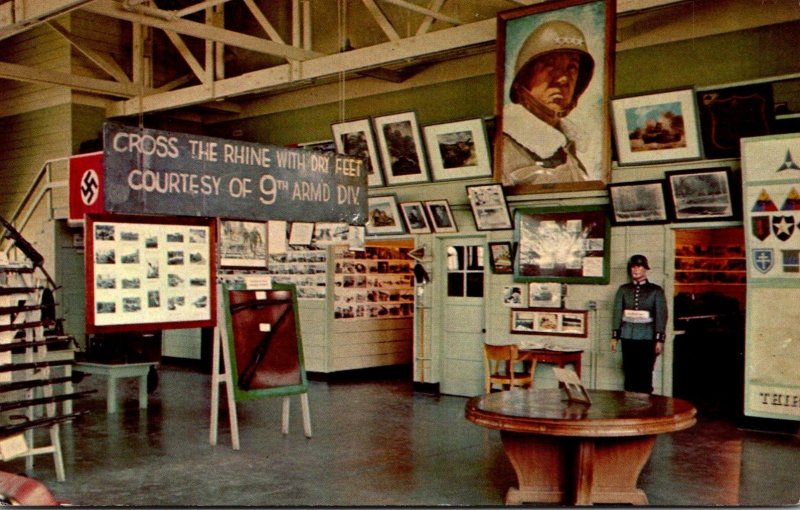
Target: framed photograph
{"x": 401, "y": 148}
{"x": 547, "y": 321}
{"x": 458, "y": 150}
{"x": 701, "y": 195}
{"x": 513, "y": 295}
{"x": 638, "y": 203}
{"x": 416, "y": 220}
{"x": 656, "y": 128}
{"x": 323, "y": 146}
{"x": 383, "y": 216}
{"x": 242, "y": 243}
{"x": 441, "y": 216}
{"x": 550, "y": 138}
{"x": 489, "y": 207}
{"x": 501, "y": 254}
{"x": 729, "y": 114}
{"x": 545, "y": 295}
{"x": 356, "y": 138}
{"x": 562, "y": 244}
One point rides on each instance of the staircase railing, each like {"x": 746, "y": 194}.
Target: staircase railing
{"x": 41, "y": 189}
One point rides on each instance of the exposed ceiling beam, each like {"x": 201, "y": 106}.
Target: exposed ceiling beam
{"x": 184, "y": 27}
{"x": 479, "y": 33}
{"x": 426, "y": 12}
{"x": 82, "y": 83}
{"x": 107, "y": 64}
{"x": 17, "y": 16}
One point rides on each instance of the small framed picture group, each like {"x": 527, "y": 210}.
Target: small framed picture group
{"x": 384, "y": 215}
{"x": 399, "y": 152}
{"x": 684, "y": 196}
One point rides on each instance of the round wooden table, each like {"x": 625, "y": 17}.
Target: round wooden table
{"x": 574, "y": 453}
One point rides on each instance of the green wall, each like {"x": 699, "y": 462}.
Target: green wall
{"x": 720, "y": 59}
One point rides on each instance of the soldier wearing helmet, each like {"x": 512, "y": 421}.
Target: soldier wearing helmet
{"x": 640, "y": 321}
{"x": 552, "y": 71}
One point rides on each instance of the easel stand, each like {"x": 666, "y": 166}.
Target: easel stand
{"x": 224, "y": 374}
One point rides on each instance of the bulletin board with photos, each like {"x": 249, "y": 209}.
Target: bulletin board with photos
{"x": 376, "y": 283}
{"x": 147, "y": 273}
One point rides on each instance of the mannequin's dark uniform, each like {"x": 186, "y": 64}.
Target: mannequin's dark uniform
{"x": 639, "y": 320}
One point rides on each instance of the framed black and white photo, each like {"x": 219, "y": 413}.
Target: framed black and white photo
{"x": 356, "y": 138}
{"x": 416, "y": 221}
{"x": 701, "y": 195}
{"x": 501, "y": 254}
{"x": 513, "y": 295}
{"x": 242, "y": 244}
{"x": 545, "y": 295}
{"x": 401, "y": 148}
{"x": 458, "y": 150}
{"x": 489, "y": 207}
{"x": 638, "y": 203}
{"x": 656, "y": 128}
{"x": 441, "y": 216}
{"x": 383, "y": 216}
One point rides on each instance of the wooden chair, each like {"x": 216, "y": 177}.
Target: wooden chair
{"x": 498, "y": 363}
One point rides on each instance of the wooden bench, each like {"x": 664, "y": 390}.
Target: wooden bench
{"x": 118, "y": 371}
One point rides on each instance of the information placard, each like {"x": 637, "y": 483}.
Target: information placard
{"x": 149, "y": 171}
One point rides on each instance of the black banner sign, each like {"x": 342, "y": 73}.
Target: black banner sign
{"x": 149, "y": 171}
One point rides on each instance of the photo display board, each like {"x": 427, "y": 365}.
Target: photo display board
{"x": 771, "y": 205}
{"x": 148, "y": 274}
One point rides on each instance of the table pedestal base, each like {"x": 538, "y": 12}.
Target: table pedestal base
{"x": 576, "y": 470}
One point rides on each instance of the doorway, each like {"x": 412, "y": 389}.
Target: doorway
{"x": 709, "y": 303}
{"x": 463, "y": 326}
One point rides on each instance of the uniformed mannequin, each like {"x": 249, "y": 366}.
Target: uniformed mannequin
{"x": 639, "y": 321}
{"x": 540, "y": 145}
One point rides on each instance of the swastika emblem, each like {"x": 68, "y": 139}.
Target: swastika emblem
{"x": 90, "y": 187}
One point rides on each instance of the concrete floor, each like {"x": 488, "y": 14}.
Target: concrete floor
{"x": 374, "y": 443}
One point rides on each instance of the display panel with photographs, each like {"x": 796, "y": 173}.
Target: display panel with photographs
{"x": 303, "y": 266}
{"x": 377, "y": 283}
{"x": 147, "y": 274}
{"x": 547, "y": 321}
{"x": 562, "y": 244}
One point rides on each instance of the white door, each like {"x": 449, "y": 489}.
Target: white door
{"x": 463, "y": 321}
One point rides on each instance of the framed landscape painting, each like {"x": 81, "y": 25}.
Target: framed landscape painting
{"x": 458, "y": 150}
{"x": 356, "y": 138}
{"x": 656, "y": 128}
{"x": 501, "y": 254}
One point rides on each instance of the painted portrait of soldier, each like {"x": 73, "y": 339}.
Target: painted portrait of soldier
{"x": 554, "y": 78}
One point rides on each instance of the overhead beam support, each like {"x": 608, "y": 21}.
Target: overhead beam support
{"x": 106, "y": 64}
{"x": 274, "y": 78}
{"x": 202, "y": 31}
{"x": 33, "y": 75}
